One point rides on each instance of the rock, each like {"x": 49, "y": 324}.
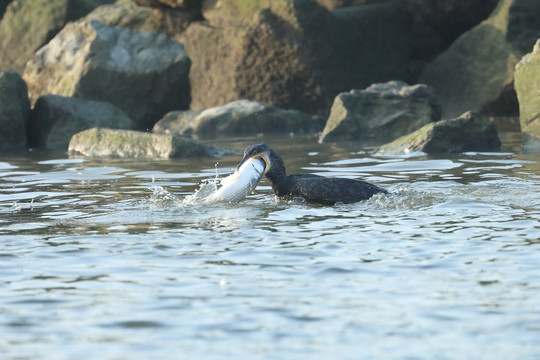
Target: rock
{"x": 143, "y": 73}
{"x": 29, "y": 24}
{"x": 530, "y": 143}
{"x": 109, "y": 143}
{"x": 55, "y": 119}
{"x": 469, "y": 132}
{"x": 235, "y": 12}
{"x": 383, "y": 111}
{"x": 241, "y": 117}
{"x": 170, "y": 3}
{"x": 477, "y": 71}
{"x": 260, "y": 62}
{"x": 527, "y": 83}
{"x": 334, "y": 4}
{"x": 3, "y": 5}
{"x": 126, "y": 14}
{"x": 14, "y": 111}
{"x": 360, "y": 59}
{"x": 278, "y": 51}
{"x": 451, "y": 18}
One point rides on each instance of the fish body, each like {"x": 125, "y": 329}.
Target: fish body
{"x": 239, "y": 184}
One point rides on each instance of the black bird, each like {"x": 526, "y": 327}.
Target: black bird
{"x": 312, "y": 188}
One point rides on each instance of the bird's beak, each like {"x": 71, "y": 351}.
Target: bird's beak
{"x": 261, "y": 157}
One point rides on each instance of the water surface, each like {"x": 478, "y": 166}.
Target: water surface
{"x": 103, "y": 259}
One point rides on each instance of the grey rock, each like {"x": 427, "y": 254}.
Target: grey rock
{"x": 55, "y": 119}
{"x": 469, "y": 132}
{"x": 530, "y": 143}
{"x": 241, "y": 117}
{"x": 477, "y": 71}
{"x": 382, "y": 111}
{"x": 143, "y": 73}
{"x": 107, "y": 143}
{"x": 527, "y": 84}
{"x": 14, "y": 111}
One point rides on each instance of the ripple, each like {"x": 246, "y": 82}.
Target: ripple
{"x": 111, "y": 258}
{"x": 137, "y": 324}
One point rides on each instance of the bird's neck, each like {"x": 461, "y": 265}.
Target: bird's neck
{"x": 278, "y": 178}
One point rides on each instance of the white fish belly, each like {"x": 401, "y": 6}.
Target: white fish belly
{"x": 239, "y": 184}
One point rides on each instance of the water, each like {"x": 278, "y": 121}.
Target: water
{"x": 103, "y": 259}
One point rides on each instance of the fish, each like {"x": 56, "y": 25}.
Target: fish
{"x": 243, "y": 181}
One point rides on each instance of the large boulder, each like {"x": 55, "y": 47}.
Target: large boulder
{"x": 262, "y": 61}
{"x": 477, "y": 71}
{"x": 55, "y": 119}
{"x": 109, "y": 143}
{"x": 241, "y": 117}
{"x": 527, "y": 83}
{"x": 382, "y": 111}
{"x": 143, "y": 73}
{"x": 468, "y": 132}
{"x": 27, "y": 25}
{"x": 14, "y": 111}
{"x": 294, "y": 53}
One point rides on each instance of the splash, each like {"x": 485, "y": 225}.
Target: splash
{"x": 159, "y": 195}
{"x": 205, "y": 190}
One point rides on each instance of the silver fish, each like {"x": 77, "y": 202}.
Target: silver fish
{"x": 239, "y": 184}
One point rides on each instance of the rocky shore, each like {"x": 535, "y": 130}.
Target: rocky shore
{"x": 142, "y": 78}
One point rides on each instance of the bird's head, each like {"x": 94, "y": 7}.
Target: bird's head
{"x": 260, "y": 152}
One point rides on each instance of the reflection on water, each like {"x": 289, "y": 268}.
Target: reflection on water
{"x": 106, "y": 259}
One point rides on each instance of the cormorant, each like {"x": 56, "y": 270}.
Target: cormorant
{"x": 312, "y": 188}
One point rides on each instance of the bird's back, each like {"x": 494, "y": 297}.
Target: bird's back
{"x": 328, "y": 191}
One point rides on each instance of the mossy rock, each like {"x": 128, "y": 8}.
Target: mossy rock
{"x": 27, "y": 25}
{"x": 527, "y": 83}
{"x": 108, "y": 143}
